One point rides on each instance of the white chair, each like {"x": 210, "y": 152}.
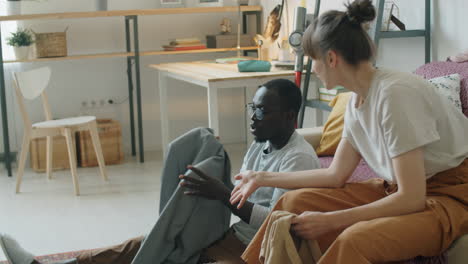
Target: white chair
{"x": 31, "y": 84}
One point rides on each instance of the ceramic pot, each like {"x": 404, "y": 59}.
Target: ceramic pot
{"x": 21, "y": 53}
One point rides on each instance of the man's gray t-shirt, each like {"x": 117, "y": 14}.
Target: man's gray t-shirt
{"x": 296, "y": 155}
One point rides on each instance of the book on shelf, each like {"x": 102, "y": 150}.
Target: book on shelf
{"x": 183, "y": 47}
{"x": 185, "y": 41}
{"x": 184, "y": 44}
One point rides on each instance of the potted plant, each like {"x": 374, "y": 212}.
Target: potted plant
{"x": 21, "y": 40}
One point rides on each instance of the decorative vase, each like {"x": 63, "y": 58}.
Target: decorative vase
{"x": 101, "y": 5}
{"x": 21, "y": 53}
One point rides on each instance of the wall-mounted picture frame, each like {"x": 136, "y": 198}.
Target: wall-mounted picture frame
{"x": 208, "y": 3}
{"x": 391, "y": 13}
{"x": 170, "y": 3}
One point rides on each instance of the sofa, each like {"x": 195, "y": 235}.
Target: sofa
{"x": 458, "y": 252}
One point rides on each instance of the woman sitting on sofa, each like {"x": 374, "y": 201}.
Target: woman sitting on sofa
{"x": 414, "y": 140}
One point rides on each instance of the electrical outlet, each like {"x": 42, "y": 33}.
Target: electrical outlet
{"x": 99, "y": 102}
{"x": 114, "y": 100}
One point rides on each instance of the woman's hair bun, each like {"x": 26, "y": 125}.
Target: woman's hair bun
{"x": 360, "y": 11}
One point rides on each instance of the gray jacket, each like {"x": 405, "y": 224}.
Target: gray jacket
{"x": 187, "y": 224}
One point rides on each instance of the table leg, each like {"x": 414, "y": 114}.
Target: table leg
{"x": 318, "y": 117}
{"x": 138, "y": 88}
{"x": 130, "y": 84}
{"x": 163, "y": 110}
{"x": 213, "y": 118}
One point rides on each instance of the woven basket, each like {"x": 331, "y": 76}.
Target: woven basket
{"x": 52, "y": 44}
{"x": 110, "y": 136}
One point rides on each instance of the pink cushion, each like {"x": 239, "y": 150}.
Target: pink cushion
{"x": 442, "y": 68}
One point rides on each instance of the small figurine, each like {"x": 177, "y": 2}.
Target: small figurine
{"x": 225, "y": 26}
{"x": 273, "y": 26}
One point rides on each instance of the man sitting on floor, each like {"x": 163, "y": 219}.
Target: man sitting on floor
{"x": 277, "y": 147}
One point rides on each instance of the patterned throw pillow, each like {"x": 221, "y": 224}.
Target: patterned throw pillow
{"x": 449, "y": 86}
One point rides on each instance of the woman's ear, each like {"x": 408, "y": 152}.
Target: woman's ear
{"x": 332, "y": 58}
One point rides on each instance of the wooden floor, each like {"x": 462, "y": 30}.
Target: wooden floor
{"x": 47, "y": 218}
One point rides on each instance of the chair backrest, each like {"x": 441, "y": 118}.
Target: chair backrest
{"x": 32, "y": 83}
{"x": 29, "y": 85}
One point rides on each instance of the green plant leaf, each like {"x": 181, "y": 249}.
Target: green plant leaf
{"x": 20, "y": 38}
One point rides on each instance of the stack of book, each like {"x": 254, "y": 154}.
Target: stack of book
{"x": 184, "y": 44}
{"x": 328, "y": 95}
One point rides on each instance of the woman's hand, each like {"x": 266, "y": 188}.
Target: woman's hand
{"x": 246, "y": 186}
{"x": 311, "y": 225}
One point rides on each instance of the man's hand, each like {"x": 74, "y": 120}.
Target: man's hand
{"x": 213, "y": 189}
{"x": 311, "y": 225}
{"x": 208, "y": 187}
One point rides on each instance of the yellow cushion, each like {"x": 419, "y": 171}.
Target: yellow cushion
{"x": 334, "y": 126}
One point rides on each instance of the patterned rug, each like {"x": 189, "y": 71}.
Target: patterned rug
{"x": 49, "y": 259}
{"x": 54, "y": 257}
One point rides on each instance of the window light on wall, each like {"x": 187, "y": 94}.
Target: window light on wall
{"x": 8, "y": 8}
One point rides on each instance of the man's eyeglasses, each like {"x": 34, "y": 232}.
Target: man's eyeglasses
{"x": 258, "y": 111}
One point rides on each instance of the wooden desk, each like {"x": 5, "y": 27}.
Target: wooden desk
{"x": 212, "y": 76}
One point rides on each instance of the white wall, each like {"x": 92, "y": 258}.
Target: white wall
{"x": 75, "y": 81}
